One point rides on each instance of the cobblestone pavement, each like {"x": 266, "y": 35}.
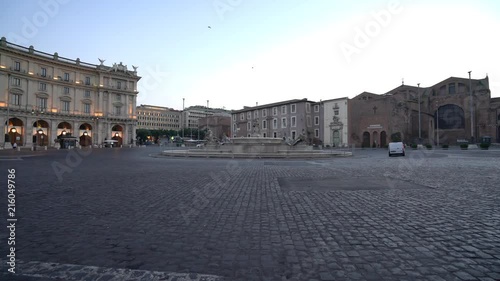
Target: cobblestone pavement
{"x": 432, "y": 215}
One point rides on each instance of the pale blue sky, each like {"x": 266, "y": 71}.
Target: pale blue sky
{"x": 298, "y": 48}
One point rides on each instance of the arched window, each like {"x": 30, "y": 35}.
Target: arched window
{"x": 450, "y": 117}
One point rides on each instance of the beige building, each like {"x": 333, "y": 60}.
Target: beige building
{"x": 45, "y": 97}
{"x": 153, "y": 117}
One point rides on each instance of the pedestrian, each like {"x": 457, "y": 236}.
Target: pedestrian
{"x": 14, "y": 146}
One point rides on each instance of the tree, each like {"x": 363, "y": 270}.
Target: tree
{"x": 396, "y": 137}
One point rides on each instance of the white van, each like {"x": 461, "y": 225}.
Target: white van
{"x": 396, "y": 148}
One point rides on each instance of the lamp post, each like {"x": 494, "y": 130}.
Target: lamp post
{"x": 183, "y": 119}
{"x": 8, "y": 106}
{"x": 207, "y": 116}
{"x": 437, "y": 122}
{"x": 471, "y": 111}
{"x": 40, "y": 136}
{"x": 419, "y": 120}
{"x": 39, "y": 132}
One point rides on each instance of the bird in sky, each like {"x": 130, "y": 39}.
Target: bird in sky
{"x": 209, "y": 27}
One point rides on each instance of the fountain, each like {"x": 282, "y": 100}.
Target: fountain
{"x": 256, "y": 146}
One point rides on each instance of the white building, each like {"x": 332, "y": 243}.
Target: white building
{"x": 45, "y": 97}
{"x": 335, "y": 126}
{"x": 154, "y": 117}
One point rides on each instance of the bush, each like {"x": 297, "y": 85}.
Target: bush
{"x": 429, "y": 146}
{"x": 445, "y": 146}
{"x": 484, "y": 145}
{"x": 414, "y": 145}
{"x": 464, "y": 146}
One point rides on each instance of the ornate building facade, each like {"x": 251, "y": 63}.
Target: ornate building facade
{"x": 449, "y": 112}
{"x": 44, "y": 97}
{"x": 334, "y": 122}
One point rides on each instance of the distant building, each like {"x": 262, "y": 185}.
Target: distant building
{"x": 218, "y": 124}
{"x": 287, "y": 119}
{"x": 192, "y": 114}
{"x": 44, "y": 97}
{"x": 376, "y": 119}
{"x": 154, "y": 117}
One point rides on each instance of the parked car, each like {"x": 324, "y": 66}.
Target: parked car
{"x": 396, "y": 148}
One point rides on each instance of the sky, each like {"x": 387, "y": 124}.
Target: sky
{"x": 237, "y": 53}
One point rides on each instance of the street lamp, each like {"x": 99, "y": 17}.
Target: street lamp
{"x": 183, "y": 119}
{"x": 64, "y": 132}
{"x": 85, "y": 133}
{"x": 40, "y": 133}
{"x": 117, "y": 135}
{"x": 437, "y": 122}
{"x": 13, "y": 130}
{"x": 471, "y": 111}
{"x": 419, "y": 122}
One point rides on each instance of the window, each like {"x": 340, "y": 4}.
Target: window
{"x": 275, "y": 135}
{"x": 275, "y": 123}
{"x": 42, "y": 87}
{"x": 249, "y": 126}
{"x": 264, "y": 124}
{"x": 66, "y": 77}
{"x": 87, "y": 93}
{"x": 242, "y": 116}
{"x": 66, "y": 90}
{"x": 44, "y": 72}
{"x": 316, "y": 133}
{"x": 17, "y": 66}
{"x": 15, "y": 99}
{"x": 118, "y": 85}
{"x": 316, "y": 108}
{"x": 293, "y": 108}
{"x": 264, "y": 135}
{"x": 235, "y": 128}
{"x": 316, "y": 120}
{"x": 65, "y": 106}
{"x": 118, "y": 110}
{"x": 294, "y": 135}
{"x": 451, "y": 88}
{"x": 256, "y": 114}
{"x": 308, "y": 107}
{"x": 264, "y": 112}
{"x": 118, "y": 97}
{"x": 249, "y": 115}
{"x": 86, "y": 108}
{"x": 283, "y": 122}
{"x": 42, "y": 103}
{"x": 293, "y": 121}
{"x": 308, "y": 121}
{"x": 283, "y": 109}
{"x": 16, "y": 81}
{"x": 336, "y": 112}
{"x": 275, "y": 111}
{"x": 234, "y": 117}
{"x": 87, "y": 80}
{"x": 336, "y": 105}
